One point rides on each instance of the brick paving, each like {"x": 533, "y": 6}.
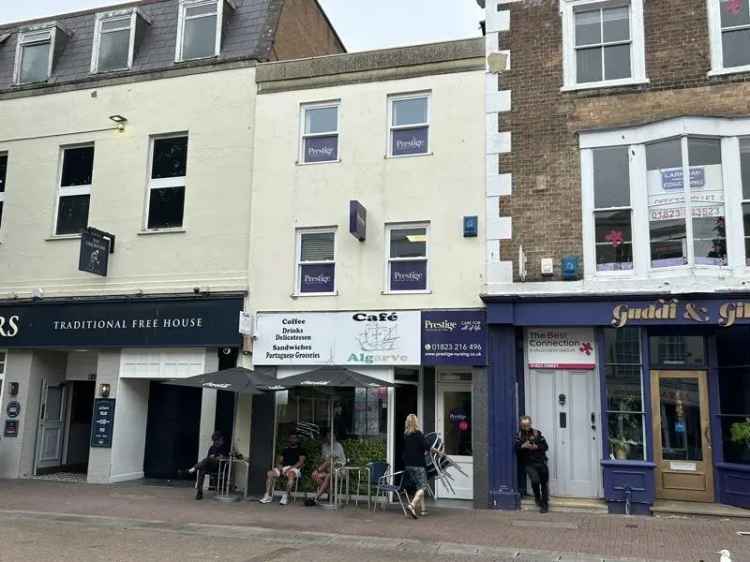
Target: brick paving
{"x": 605, "y": 536}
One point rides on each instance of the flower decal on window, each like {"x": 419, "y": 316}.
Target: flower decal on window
{"x": 615, "y": 237}
{"x": 734, "y": 7}
{"x": 586, "y": 348}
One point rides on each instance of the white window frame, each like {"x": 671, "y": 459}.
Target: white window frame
{"x": 717, "y": 46}
{"x": 182, "y": 19}
{"x": 161, "y": 183}
{"x": 389, "y": 228}
{"x": 636, "y": 138}
{"x": 73, "y": 189}
{"x": 391, "y": 127}
{"x": 36, "y": 35}
{"x": 303, "y": 135}
{"x": 637, "y": 45}
{"x": 743, "y": 201}
{"x": 298, "y": 263}
{"x": 129, "y": 17}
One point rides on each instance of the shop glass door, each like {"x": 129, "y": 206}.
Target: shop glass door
{"x": 455, "y": 425}
{"x": 682, "y": 436}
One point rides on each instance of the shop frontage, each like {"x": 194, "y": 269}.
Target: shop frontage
{"x": 435, "y": 359}
{"x": 84, "y": 391}
{"x": 641, "y": 400}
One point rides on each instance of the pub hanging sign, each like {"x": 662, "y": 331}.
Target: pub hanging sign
{"x": 96, "y": 246}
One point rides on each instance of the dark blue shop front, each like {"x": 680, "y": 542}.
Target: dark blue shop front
{"x": 670, "y": 381}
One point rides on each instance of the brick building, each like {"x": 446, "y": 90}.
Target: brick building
{"x": 615, "y": 288}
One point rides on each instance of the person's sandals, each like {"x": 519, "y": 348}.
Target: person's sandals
{"x": 411, "y": 511}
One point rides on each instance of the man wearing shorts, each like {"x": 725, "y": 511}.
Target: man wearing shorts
{"x": 289, "y": 465}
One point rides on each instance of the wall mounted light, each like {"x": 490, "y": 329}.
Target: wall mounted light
{"x": 119, "y": 120}
{"x": 104, "y": 389}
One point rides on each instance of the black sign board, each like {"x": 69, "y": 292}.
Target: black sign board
{"x": 358, "y": 220}
{"x": 133, "y": 322}
{"x": 13, "y": 409}
{"x": 103, "y": 423}
{"x": 11, "y": 428}
{"x": 95, "y": 249}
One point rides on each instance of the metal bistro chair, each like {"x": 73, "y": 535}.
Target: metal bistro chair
{"x": 438, "y": 463}
{"x": 293, "y": 495}
{"x": 378, "y": 469}
{"x": 215, "y": 479}
{"x": 393, "y": 483}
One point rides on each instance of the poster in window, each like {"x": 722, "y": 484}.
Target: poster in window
{"x": 409, "y": 275}
{"x": 322, "y": 149}
{"x": 317, "y": 278}
{"x": 410, "y": 141}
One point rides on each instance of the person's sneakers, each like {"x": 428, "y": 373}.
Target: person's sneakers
{"x": 191, "y": 470}
{"x": 544, "y": 508}
{"x": 411, "y": 511}
{"x": 538, "y": 502}
{"x": 266, "y": 499}
{"x": 199, "y": 495}
{"x": 284, "y": 499}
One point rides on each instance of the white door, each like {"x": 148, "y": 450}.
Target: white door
{"x": 454, "y": 423}
{"x": 565, "y": 408}
{"x": 51, "y": 427}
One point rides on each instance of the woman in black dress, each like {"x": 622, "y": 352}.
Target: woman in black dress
{"x": 415, "y": 449}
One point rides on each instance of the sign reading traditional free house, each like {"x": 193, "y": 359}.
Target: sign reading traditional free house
{"x": 454, "y": 337}
{"x": 561, "y": 348}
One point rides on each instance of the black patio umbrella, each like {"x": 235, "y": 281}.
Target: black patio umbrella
{"x": 236, "y": 379}
{"x": 324, "y": 378}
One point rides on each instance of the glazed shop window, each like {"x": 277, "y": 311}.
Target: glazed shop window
{"x": 745, "y": 174}
{"x": 3, "y": 176}
{"x": 199, "y": 28}
{"x": 734, "y": 393}
{"x": 675, "y": 239}
{"x": 74, "y": 191}
{"x": 409, "y": 121}
{"x": 166, "y": 193}
{"x": 316, "y": 262}
{"x": 675, "y": 351}
{"x": 360, "y": 424}
{"x": 320, "y": 133}
{"x": 407, "y": 258}
{"x": 624, "y": 382}
{"x": 612, "y": 210}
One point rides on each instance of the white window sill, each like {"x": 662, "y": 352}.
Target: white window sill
{"x": 298, "y": 163}
{"x": 400, "y": 156}
{"x": 209, "y": 57}
{"x": 606, "y": 84}
{"x": 110, "y": 71}
{"x": 729, "y": 70}
{"x": 162, "y": 231}
{"x": 424, "y": 292}
{"x": 298, "y": 295}
{"x": 56, "y": 237}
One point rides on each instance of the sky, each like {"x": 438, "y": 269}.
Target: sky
{"x": 393, "y": 23}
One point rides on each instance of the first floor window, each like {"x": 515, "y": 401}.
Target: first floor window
{"x": 624, "y": 383}
{"x": 316, "y": 261}
{"x": 408, "y": 255}
{"x": 74, "y": 193}
{"x": 612, "y": 211}
{"x": 320, "y": 133}
{"x": 166, "y": 196}
{"x": 3, "y": 176}
{"x": 735, "y": 32}
{"x": 745, "y": 175}
{"x": 409, "y": 125}
{"x": 602, "y": 39}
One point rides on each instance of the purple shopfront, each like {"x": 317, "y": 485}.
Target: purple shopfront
{"x": 642, "y": 399}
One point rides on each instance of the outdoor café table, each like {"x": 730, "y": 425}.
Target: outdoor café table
{"x": 224, "y": 482}
{"x": 343, "y": 479}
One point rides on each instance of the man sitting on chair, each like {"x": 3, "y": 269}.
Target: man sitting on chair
{"x": 219, "y": 449}
{"x": 322, "y": 475}
{"x": 289, "y": 464}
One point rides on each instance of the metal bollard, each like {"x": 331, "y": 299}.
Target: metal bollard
{"x": 628, "y": 500}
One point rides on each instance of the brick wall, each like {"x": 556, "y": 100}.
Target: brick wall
{"x": 545, "y": 162}
{"x": 304, "y": 31}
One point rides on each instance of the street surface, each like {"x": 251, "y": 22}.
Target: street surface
{"x": 51, "y": 522}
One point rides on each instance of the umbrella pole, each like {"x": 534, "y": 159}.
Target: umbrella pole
{"x": 333, "y": 483}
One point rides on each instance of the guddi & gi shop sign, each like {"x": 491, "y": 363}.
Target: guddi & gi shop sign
{"x": 673, "y": 311}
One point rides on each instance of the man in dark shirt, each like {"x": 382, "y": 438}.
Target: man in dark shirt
{"x": 289, "y": 464}
{"x": 219, "y": 449}
{"x": 531, "y": 449}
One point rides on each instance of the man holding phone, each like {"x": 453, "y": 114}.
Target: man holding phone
{"x": 531, "y": 449}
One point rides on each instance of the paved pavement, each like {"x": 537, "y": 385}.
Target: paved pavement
{"x": 48, "y": 521}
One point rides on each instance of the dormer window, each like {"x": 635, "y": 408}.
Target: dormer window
{"x": 115, "y": 40}
{"x": 35, "y": 53}
{"x": 199, "y": 28}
